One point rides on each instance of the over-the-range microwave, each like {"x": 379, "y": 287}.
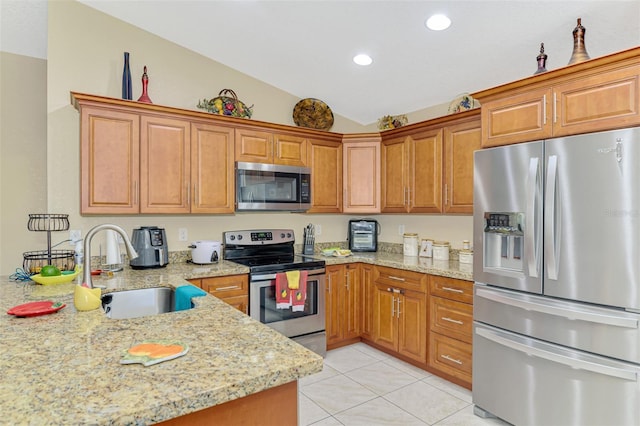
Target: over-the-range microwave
{"x": 270, "y": 187}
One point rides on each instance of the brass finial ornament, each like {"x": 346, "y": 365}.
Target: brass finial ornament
{"x": 542, "y": 61}
{"x": 579, "y": 50}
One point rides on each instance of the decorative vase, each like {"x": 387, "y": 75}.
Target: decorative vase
{"x": 542, "y": 61}
{"x": 579, "y": 50}
{"x": 145, "y": 82}
{"x": 126, "y": 79}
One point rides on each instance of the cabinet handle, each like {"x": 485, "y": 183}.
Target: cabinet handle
{"x": 398, "y": 312}
{"x": 555, "y": 112}
{"x": 188, "y": 193}
{"x": 347, "y": 282}
{"x": 393, "y": 306}
{"x": 231, "y": 287}
{"x": 135, "y": 193}
{"x": 544, "y": 109}
{"x": 446, "y": 195}
{"x": 195, "y": 194}
{"x": 452, "y": 320}
{"x": 448, "y": 358}
{"x": 329, "y": 282}
{"x": 453, "y": 290}
{"x": 391, "y": 277}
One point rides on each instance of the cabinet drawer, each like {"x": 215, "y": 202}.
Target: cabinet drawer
{"x": 221, "y": 287}
{"x": 450, "y": 356}
{"x": 451, "y": 288}
{"x": 399, "y": 278}
{"x": 451, "y": 318}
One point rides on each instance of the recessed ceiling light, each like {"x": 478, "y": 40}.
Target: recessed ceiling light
{"x": 438, "y": 22}
{"x": 362, "y": 59}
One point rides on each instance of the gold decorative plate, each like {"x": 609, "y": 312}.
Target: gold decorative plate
{"x": 313, "y": 113}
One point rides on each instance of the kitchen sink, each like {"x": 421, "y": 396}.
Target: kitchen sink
{"x": 138, "y": 303}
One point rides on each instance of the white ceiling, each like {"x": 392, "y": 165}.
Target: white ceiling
{"x": 305, "y": 47}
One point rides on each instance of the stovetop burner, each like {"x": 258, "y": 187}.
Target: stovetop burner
{"x": 266, "y": 251}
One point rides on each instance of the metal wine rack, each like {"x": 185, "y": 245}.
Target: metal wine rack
{"x": 35, "y": 260}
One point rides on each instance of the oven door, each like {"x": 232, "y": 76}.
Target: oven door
{"x": 262, "y": 305}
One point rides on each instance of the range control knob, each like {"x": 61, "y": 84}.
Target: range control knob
{"x": 288, "y": 234}
{"x": 239, "y": 237}
{"x": 232, "y": 237}
{"x": 282, "y": 235}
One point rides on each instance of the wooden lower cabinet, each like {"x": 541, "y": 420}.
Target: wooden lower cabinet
{"x": 400, "y": 312}
{"x": 231, "y": 289}
{"x": 450, "y": 322}
{"x": 342, "y": 304}
{"x": 366, "y": 301}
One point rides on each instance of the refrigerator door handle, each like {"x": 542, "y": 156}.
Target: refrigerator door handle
{"x": 530, "y": 230}
{"x": 529, "y": 305}
{"x": 551, "y": 224}
{"x": 558, "y": 358}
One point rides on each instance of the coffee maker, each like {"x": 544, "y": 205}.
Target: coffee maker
{"x": 151, "y": 244}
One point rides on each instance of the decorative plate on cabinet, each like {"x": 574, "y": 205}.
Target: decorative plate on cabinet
{"x": 463, "y": 102}
{"x": 313, "y": 113}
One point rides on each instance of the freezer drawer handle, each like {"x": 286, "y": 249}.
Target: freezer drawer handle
{"x": 561, "y": 312}
{"x": 557, "y": 358}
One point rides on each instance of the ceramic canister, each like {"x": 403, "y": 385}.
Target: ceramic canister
{"x": 410, "y": 244}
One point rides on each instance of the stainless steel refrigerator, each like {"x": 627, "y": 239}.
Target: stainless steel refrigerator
{"x": 557, "y": 281}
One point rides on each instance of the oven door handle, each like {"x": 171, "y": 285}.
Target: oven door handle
{"x": 272, "y": 276}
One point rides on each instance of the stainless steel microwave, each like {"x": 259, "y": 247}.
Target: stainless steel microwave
{"x": 270, "y": 187}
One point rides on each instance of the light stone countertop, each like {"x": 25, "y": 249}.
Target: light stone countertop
{"x": 64, "y": 368}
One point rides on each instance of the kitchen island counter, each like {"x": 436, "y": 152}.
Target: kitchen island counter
{"x": 65, "y": 367}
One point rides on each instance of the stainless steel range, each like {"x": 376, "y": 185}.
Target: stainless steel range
{"x": 267, "y": 253}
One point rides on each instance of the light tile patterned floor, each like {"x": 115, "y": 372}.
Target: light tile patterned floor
{"x": 360, "y": 385}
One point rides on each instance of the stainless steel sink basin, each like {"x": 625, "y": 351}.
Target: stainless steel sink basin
{"x": 138, "y": 303}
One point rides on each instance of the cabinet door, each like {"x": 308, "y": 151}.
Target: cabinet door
{"x": 253, "y": 146}
{"x": 367, "y": 292}
{"x": 212, "y": 169}
{"x": 451, "y": 318}
{"x": 231, "y": 289}
{"x": 395, "y": 171}
{"x": 334, "y": 284}
{"x": 460, "y": 142}
{"x": 603, "y": 101}
{"x": 426, "y": 181}
{"x": 290, "y": 150}
{"x": 325, "y": 161}
{"x": 518, "y": 118}
{"x": 385, "y": 328}
{"x": 361, "y": 177}
{"x": 165, "y": 163}
{"x": 412, "y": 325}
{"x": 109, "y": 161}
{"x": 452, "y": 357}
{"x": 351, "y": 313}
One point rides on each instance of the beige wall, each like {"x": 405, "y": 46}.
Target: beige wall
{"x": 23, "y": 156}
{"x": 85, "y": 49}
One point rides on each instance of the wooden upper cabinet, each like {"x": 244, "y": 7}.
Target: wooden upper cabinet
{"x": 109, "y": 161}
{"x": 460, "y": 143}
{"x": 290, "y": 150}
{"x": 325, "y": 161}
{"x": 253, "y": 146}
{"x": 212, "y": 169}
{"x": 361, "y": 173}
{"x": 395, "y": 170}
{"x": 425, "y": 185}
{"x": 522, "y": 117}
{"x": 591, "y": 96}
{"x": 165, "y": 165}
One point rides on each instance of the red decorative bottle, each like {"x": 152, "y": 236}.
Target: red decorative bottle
{"x": 145, "y": 82}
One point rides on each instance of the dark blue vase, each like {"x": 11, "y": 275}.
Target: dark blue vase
{"x": 127, "y": 92}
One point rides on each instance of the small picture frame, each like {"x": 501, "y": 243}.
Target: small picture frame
{"x": 426, "y": 248}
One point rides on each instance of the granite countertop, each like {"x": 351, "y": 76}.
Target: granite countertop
{"x": 64, "y": 367}
{"x": 426, "y": 265}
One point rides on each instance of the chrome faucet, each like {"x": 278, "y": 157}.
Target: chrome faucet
{"x": 86, "y": 264}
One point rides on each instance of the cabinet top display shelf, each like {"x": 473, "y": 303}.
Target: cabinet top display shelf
{"x": 566, "y": 73}
{"x": 79, "y": 100}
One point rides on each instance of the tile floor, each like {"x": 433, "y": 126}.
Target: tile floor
{"x": 360, "y": 385}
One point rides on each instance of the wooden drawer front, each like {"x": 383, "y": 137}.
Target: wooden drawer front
{"x": 600, "y": 102}
{"x": 232, "y": 285}
{"x": 241, "y": 303}
{"x": 451, "y": 318}
{"x": 451, "y": 288}
{"x": 398, "y": 278}
{"x": 450, "y": 356}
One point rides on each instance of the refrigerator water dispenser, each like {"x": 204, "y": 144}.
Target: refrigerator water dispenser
{"x": 503, "y": 241}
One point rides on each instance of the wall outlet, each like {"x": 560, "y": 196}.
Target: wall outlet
{"x": 75, "y": 235}
{"x": 400, "y": 229}
{"x": 318, "y": 229}
{"x": 182, "y": 234}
